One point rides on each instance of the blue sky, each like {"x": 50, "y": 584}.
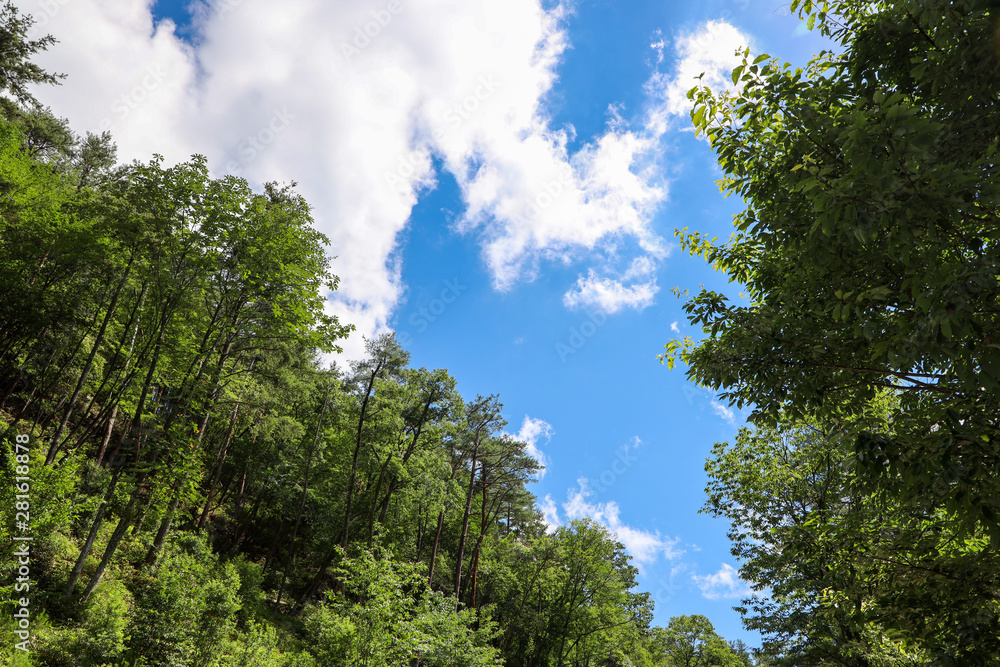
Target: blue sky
{"x": 501, "y": 183}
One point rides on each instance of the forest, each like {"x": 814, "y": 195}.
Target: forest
{"x": 206, "y": 488}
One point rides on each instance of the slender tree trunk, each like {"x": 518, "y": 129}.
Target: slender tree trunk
{"x": 375, "y": 506}
{"x": 161, "y": 533}
{"x": 479, "y": 542}
{"x": 113, "y": 397}
{"x": 393, "y": 485}
{"x": 314, "y": 584}
{"x": 434, "y": 550}
{"x": 95, "y": 528}
{"x": 116, "y": 538}
{"x": 274, "y": 547}
{"x": 245, "y": 523}
{"x": 223, "y": 450}
{"x": 465, "y": 520}
{"x": 290, "y": 561}
{"x": 36, "y": 385}
{"x": 107, "y": 435}
{"x": 420, "y": 532}
{"x": 54, "y": 445}
{"x": 357, "y": 451}
{"x": 440, "y": 524}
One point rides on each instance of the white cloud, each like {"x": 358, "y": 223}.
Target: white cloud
{"x": 611, "y": 294}
{"x": 724, "y": 584}
{"x": 550, "y": 513}
{"x": 299, "y": 91}
{"x": 674, "y": 327}
{"x": 644, "y": 546}
{"x": 533, "y": 430}
{"x": 710, "y": 50}
{"x": 659, "y": 45}
{"x": 725, "y": 412}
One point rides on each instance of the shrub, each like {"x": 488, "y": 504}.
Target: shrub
{"x": 187, "y": 609}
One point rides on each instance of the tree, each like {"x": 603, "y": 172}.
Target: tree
{"x": 17, "y": 72}
{"x": 162, "y": 335}
{"x": 869, "y": 248}
{"x": 483, "y": 419}
{"x": 691, "y": 641}
{"x": 852, "y": 578}
{"x": 386, "y": 615}
{"x": 869, "y": 252}
{"x": 568, "y": 599}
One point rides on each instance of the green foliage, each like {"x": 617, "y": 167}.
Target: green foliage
{"x": 259, "y": 648}
{"x": 107, "y": 618}
{"x": 691, "y": 641}
{"x": 868, "y": 250}
{"x": 251, "y": 590}
{"x": 185, "y": 612}
{"x": 837, "y": 562}
{"x": 572, "y": 595}
{"x": 17, "y": 72}
{"x": 199, "y": 478}
{"x": 386, "y": 615}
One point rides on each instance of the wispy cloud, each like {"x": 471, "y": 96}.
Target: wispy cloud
{"x": 644, "y": 546}
{"x": 710, "y": 51}
{"x": 550, "y": 513}
{"x": 723, "y": 584}
{"x": 532, "y": 432}
{"x": 611, "y": 294}
{"x": 727, "y": 413}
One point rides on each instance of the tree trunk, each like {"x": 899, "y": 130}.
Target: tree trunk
{"x": 357, "y": 450}
{"x": 465, "y": 520}
{"x": 393, "y": 485}
{"x": 54, "y": 445}
{"x": 290, "y": 561}
{"x": 218, "y": 468}
{"x": 116, "y": 538}
{"x": 107, "y": 435}
{"x": 479, "y": 542}
{"x": 434, "y": 549}
{"x": 95, "y": 528}
{"x": 161, "y": 533}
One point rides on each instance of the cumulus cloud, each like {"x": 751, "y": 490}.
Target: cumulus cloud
{"x": 710, "y": 50}
{"x": 674, "y": 327}
{"x": 611, "y": 294}
{"x": 724, "y": 584}
{"x": 644, "y": 546}
{"x": 532, "y": 431}
{"x": 356, "y": 100}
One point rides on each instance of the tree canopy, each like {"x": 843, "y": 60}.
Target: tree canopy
{"x": 867, "y": 346}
